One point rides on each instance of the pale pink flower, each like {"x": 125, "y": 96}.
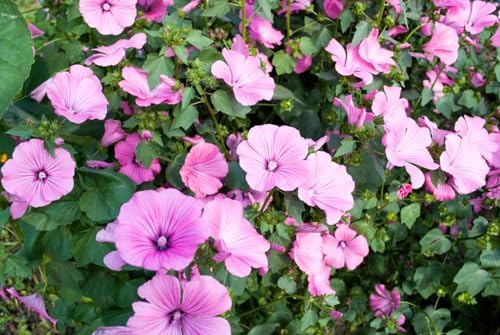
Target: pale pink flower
{"x": 438, "y": 135}
{"x": 33, "y": 302}
{"x": 190, "y": 6}
{"x": 238, "y": 244}
{"x": 437, "y": 83}
{"x": 328, "y": 186}
{"x": 356, "y": 116}
{"x": 344, "y": 248}
{"x": 442, "y": 190}
{"x": 463, "y": 161}
{"x": 396, "y": 5}
{"x": 477, "y": 79}
{"x": 472, "y": 129}
{"x": 274, "y": 157}
{"x": 232, "y": 142}
{"x": 239, "y": 45}
{"x": 262, "y": 31}
{"x": 406, "y": 146}
{"x": 383, "y": 302}
{"x": 389, "y": 101}
{"x": 443, "y": 44}
{"x": 125, "y": 155}
{"x": 396, "y": 31}
{"x": 135, "y": 82}
{"x": 109, "y": 17}
{"x": 473, "y": 17}
{"x": 193, "y": 139}
{"x": 93, "y": 164}
{"x": 18, "y": 206}
{"x": 404, "y": 191}
{"x": 372, "y": 52}
{"x": 113, "y": 132}
{"x": 77, "y": 95}
{"x": 173, "y": 308}
{"x": 319, "y": 282}
{"x": 495, "y": 39}
{"x": 40, "y": 91}
{"x": 113, "y": 54}
{"x": 154, "y": 10}
{"x": 203, "y": 169}
{"x": 295, "y": 6}
{"x": 333, "y": 8}
{"x": 35, "y": 177}
{"x": 307, "y": 252}
{"x": 244, "y": 75}
{"x": 160, "y": 230}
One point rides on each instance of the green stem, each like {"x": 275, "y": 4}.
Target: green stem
{"x": 264, "y": 205}
{"x": 211, "y": 111}
{"x": 412, "y": 32}
{"x": 288, "y": 25}
{"x": 380, "y": 12}
{"x": 243, "y": 20}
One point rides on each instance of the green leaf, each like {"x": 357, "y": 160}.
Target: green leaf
{"x": 468, "y": 99}
{"x": 105, "y": 192}
{"x": 181, "y": 53}
{"x": 4, "y": 217}
{"x": 410, "y": 214}
{"x": 283, "y": 62}
{"x": 294, "y": 207}
{"x": 16, "y": 267}
{"x": 187, "y": 95}
{"x": 346, "y": 18}
{"x": 172, "y": 171}
{"x": 220, "y": 9}
{"x": 156, "y": 65}
{"x": 265, "y": 329}
{"x": 347, "y": 146}
{"x": 264, "y": 7}
{"x": 146, "y": 152}
{"x": 446, "y": 105}
{"x": 307, "y": 46}
{"x": 309, "y": 319}
{"x": 428, "y": 279}
{"x": 56, "y": 214}
{"x": 435, "y": 242}
{"x": 184, "y": 118}
{"x": 287, "y": 284}
{"x": 21, "y": 130}
{"x": 86, "y": 250}
{"x": 471, "y": 278}
{"x": 16, "y": 55}
{"x": 427, "y": 95}
{"x": 490, "y": 258}
{"x": 362, "y": 30}
{"x": 198, "y": 40}
{"x": 228, "y": 105}
{"x": 236, "y": 177}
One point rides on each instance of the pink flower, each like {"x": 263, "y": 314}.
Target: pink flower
{"x": 406, "y": 146}
{"x": 125, "y": 154}
{"x": 477, "y": 79}
{"x": 109, "y": 17}
{"x": 328, "y": 186}
{"x": 34, "y": 176}
{"x": 319, "y": 282}
{"x": 443, "y": 44}
{"x": 495, "y": 39}
{"x": 135, "y": 82}
{"x": 17, "y": 205}
{"x": 35, "y": 31}
{"x": 274, "y": 157}
{"x": 333, "y": 8}
{"x": 355, "y": 116}
{"x": 33, "y": 302}
{"x": 262, "y": 31}
{"x": 175, "y": 308}
{"x": 237, "y": 242}
{"x": 396, "y": 5}
{"x": 307, "y": 252}
{"x": 472, "y": 129}
{"x": 383, "y": 302}
{"x": 295, "y": 6}
{"x": 99, "y": 164}
{"x": 114, "y": 330}
{"x": 389, "y": 101}
{"x": 232, "y": 142}
{"x": 348, "y": 62}
{"x": 473, "y": 17}
{"x": 154, "y": 10}
{"x": 463, "y": 161}
{"x": 160, "y": 230}
{"x": 113, "y": 132}
{"x": 302, "y": 64}
{"x": 203, "y": 169}
{"x": 437, "y": 83}
{"x": 113, "y": 54}
{"x": 244, "y": 75}
{"x": 441, "y": 190}
{"x": 190, "y": 6}
{"x": 77, "y": 95}
{"x": 344, "y": 248}
{"x": 404, "y": 191}
{"x": 438, "y": 135}
{"x": 372, "y": 52}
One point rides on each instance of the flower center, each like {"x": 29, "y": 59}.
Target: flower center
{"x": 342, "y": 244}
{"x": 106, "y": 6}
{"x": 176, "y": 315}
{"x": 42, "y": 175}
{"x": 161, "y": 243}
{"x": 272, "y": 165}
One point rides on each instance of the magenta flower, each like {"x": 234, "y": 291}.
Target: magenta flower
{"x": 159, "y": 230}
{"x": 135, "y": 82}
{"x": 383, "y": 302}
{"x": 404, "y": 191}
{"x": 333, "y": 8}
{"x": 125, "y": 154}
{"x": 35, "y": 177}
{"x": 35, "y": 31}
{"x": 109, "y": 17}
{"x": 406, "y": 146}
{"x": 33, "y": 302}
{"x": 203, "y": 169}
{"x": 274, "y": 157}
{"x": 372, "y": 52}
{"x": 243, "y": 73}
{"x": 113, "y": 54}
{"x": 328, "y": 186}
{"x": 344, "y": 248}
{"x": 175, "y": 308}
{"x": 154, "y": 10}
{"x": 389, "y": 101}
{"x": 77, "y": 95}
{"x": 262, "y": 31}
{"x": 238, "y": 244}
{"x": 443, "y": 44}
{"x": 356, "y": 116}
{"x": 113, "y": 132}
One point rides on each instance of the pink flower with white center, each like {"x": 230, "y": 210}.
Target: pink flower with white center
{"x": 404, "y": 191}
{"x": 33, "y": 302}
{"x": 113, "y": 132}
{"x": 372, "y": 52}
{"x": 344, "y": 248}
{"x": 356, "y": 116}
{"x": 328, "y": 186}
{"x": 443, "y": 44}
{"x": 274, "y": 157}
{"x": 406, "y": 146}
{"x": 77, "y": 95}
{"x": 243, "y": 73}
{"x": 113, "y": 54}
{"x": 135, "y": 82}
{"x": 175, "y": 308}
{"x": 35, "y": 177}
{"x": 203, "y": 169}
{"x": 109, "y": 17}
{"x": 383, "y": 302}
{"x": 238, "y": 244}
{"x": 160, "y": 230}
{"x": 130, "y": 166}
{"x": 463, "y": 161}
{"x": 389, "y": 101}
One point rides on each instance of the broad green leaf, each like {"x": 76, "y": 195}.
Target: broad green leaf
{"x": 198, "y": 40}
{"x": 347, "y": 146}
{"x": 362, "y": 30}
{"x": 427, "y": 95}
{"x": 410, "y": 214}
{"x": 156, "y": 65}
{"x": 287, "y": 284}
{"x": 435, "y": 242}
{"x": 172, "y": 171}
{"x": 16, "y": 267}
{"x": 146, "y": 152}
{"x": 471, "y": 278}
{"x": 309, "y": 319}
{"x": 428, "y": 279}
{"x": 294, "y": 207}
{"x": 446, "y": 105}
{"x": 490, "y": 258}
{"x": 263, "y": 8}
{"x": 307, "y": 46}
{"x": 184, "y": 118}
{"x": 219, "y": 9}
{"x": 265, "y": 329}
{"x": 236, "y": 177}
{"x": 16, "y": 55}
{"x": 86, "y": 250}
{"x": 228, "y": 105}
{"x": 283, "y": 62}
{"x": 60, "y": 213}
